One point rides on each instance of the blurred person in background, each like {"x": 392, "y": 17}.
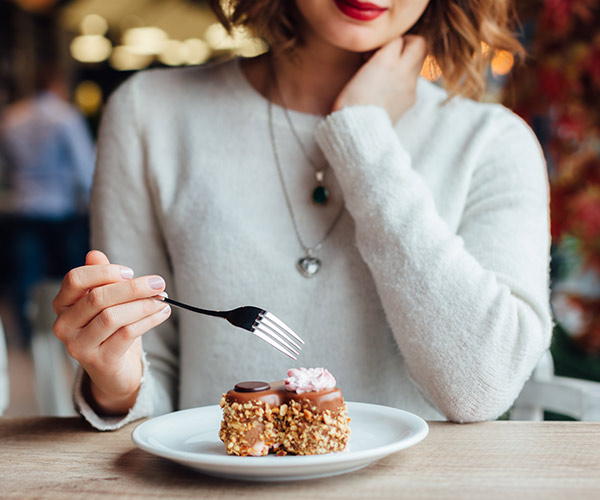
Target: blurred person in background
{"x": 47, "y": 156}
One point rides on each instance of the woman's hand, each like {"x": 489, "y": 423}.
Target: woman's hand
{"x": 102, "y": 313}
{"x": 388, "y": 79}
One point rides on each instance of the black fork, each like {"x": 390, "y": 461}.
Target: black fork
{"x": 259, "y": 322}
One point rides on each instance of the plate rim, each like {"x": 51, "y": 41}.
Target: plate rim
{"x": 417, "y": 424}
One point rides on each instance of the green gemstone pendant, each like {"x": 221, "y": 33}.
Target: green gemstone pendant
{"x": 320, "y": 195}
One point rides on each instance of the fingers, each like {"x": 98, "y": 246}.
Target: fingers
{"x": 388, "y": 79}
{"x": 390, "y": 51}
{"x": 128, "y": 321}
{"x": 409, "y": 50}
{"x": 100, "y": 298}
{"x": 96, "y": 257}
{"x": 101, "y": 313}
{"x": 118, "y": 343}
{"x": 78, "y": 281}
{"x": 414, "y": 50}
{"x": 414, "y": 42}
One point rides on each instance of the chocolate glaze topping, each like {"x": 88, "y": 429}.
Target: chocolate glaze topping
{"x": 276, "y": 395}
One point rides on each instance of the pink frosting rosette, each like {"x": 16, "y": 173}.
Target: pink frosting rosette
{"x": 301, "y": 380}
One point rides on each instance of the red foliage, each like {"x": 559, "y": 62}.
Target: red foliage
{"x": 561, "y": 85}
{"x": 553, "y": 83}
{"x": 589, "y": 340}
{"x": 592, "y": 66}
{"x": 558, "y": 16}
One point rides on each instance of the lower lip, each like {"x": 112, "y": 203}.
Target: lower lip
{"x": 360, "y": 14}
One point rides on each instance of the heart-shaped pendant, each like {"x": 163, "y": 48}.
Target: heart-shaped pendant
{"x": 308, "y": 266}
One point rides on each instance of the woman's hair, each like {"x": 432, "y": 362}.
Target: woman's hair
{"x": 462, "y": 35}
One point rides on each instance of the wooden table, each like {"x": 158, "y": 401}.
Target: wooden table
{"x": 63, "y": 458}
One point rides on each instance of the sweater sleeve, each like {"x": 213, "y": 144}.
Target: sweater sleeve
{"x": 469, "y": 309}
{"x": 126, "y": 225}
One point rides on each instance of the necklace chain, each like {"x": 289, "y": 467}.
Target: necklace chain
{"x": 310, "y": 251}
{"x": 320, "y": 171}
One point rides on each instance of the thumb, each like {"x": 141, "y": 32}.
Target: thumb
{"x": 96, "y": 257}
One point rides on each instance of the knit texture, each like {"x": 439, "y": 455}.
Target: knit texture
{"x": 433, "y": 293}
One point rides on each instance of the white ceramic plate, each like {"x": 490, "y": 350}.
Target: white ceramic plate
{"x": 190, "y": 437}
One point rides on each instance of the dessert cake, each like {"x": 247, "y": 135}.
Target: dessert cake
{"x": 305, "y": 414}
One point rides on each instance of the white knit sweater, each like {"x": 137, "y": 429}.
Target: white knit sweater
{"x": 433, "y": 294}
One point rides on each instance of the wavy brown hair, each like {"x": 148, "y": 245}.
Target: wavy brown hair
{"x": 462, "y": 35}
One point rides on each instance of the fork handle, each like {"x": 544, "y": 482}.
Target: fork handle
{"x": 220, "y": 314}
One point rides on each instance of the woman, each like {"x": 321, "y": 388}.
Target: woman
{"x": 422, "y": 222}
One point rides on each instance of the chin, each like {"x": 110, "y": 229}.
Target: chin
{"x": 357, "y": 43}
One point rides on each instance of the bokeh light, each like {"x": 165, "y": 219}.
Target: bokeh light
{"x": 502, "y": 63}
{"x": 88, "y": 97}
{"x": 123, "y": 59}
{"x": 197, "y": 51}
{"x": 90, "y": 48}
{"x": 145, "y": 41}
{"x": 218, "y": 38}
{"x": 431, "y": 70}
{"x": 93, "y": 24}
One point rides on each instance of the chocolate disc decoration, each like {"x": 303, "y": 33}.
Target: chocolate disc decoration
{"x": 251, "y": 386}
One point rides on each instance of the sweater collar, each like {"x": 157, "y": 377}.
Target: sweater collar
{"x": 256, "y": 103}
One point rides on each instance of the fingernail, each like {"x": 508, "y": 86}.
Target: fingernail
{"x": 166, "y": 309}
{"x": 156, "y": 282}
{"x": 126, "y": 273}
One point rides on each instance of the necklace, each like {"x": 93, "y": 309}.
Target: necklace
{"x": 308, "y": 265}
{"x": 320, "y": 194}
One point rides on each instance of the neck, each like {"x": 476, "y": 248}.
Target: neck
{"x": 310, "y": 81}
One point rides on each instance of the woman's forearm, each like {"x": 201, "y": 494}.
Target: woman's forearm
{"x": 469, "y": 326}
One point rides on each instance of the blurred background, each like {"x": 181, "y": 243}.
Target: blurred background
{"x": 61, "y": 59}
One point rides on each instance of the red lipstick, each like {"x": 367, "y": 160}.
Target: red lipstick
{"x": 361, "y": 11}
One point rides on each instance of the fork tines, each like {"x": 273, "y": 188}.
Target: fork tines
{"x": 275, "y": 332}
